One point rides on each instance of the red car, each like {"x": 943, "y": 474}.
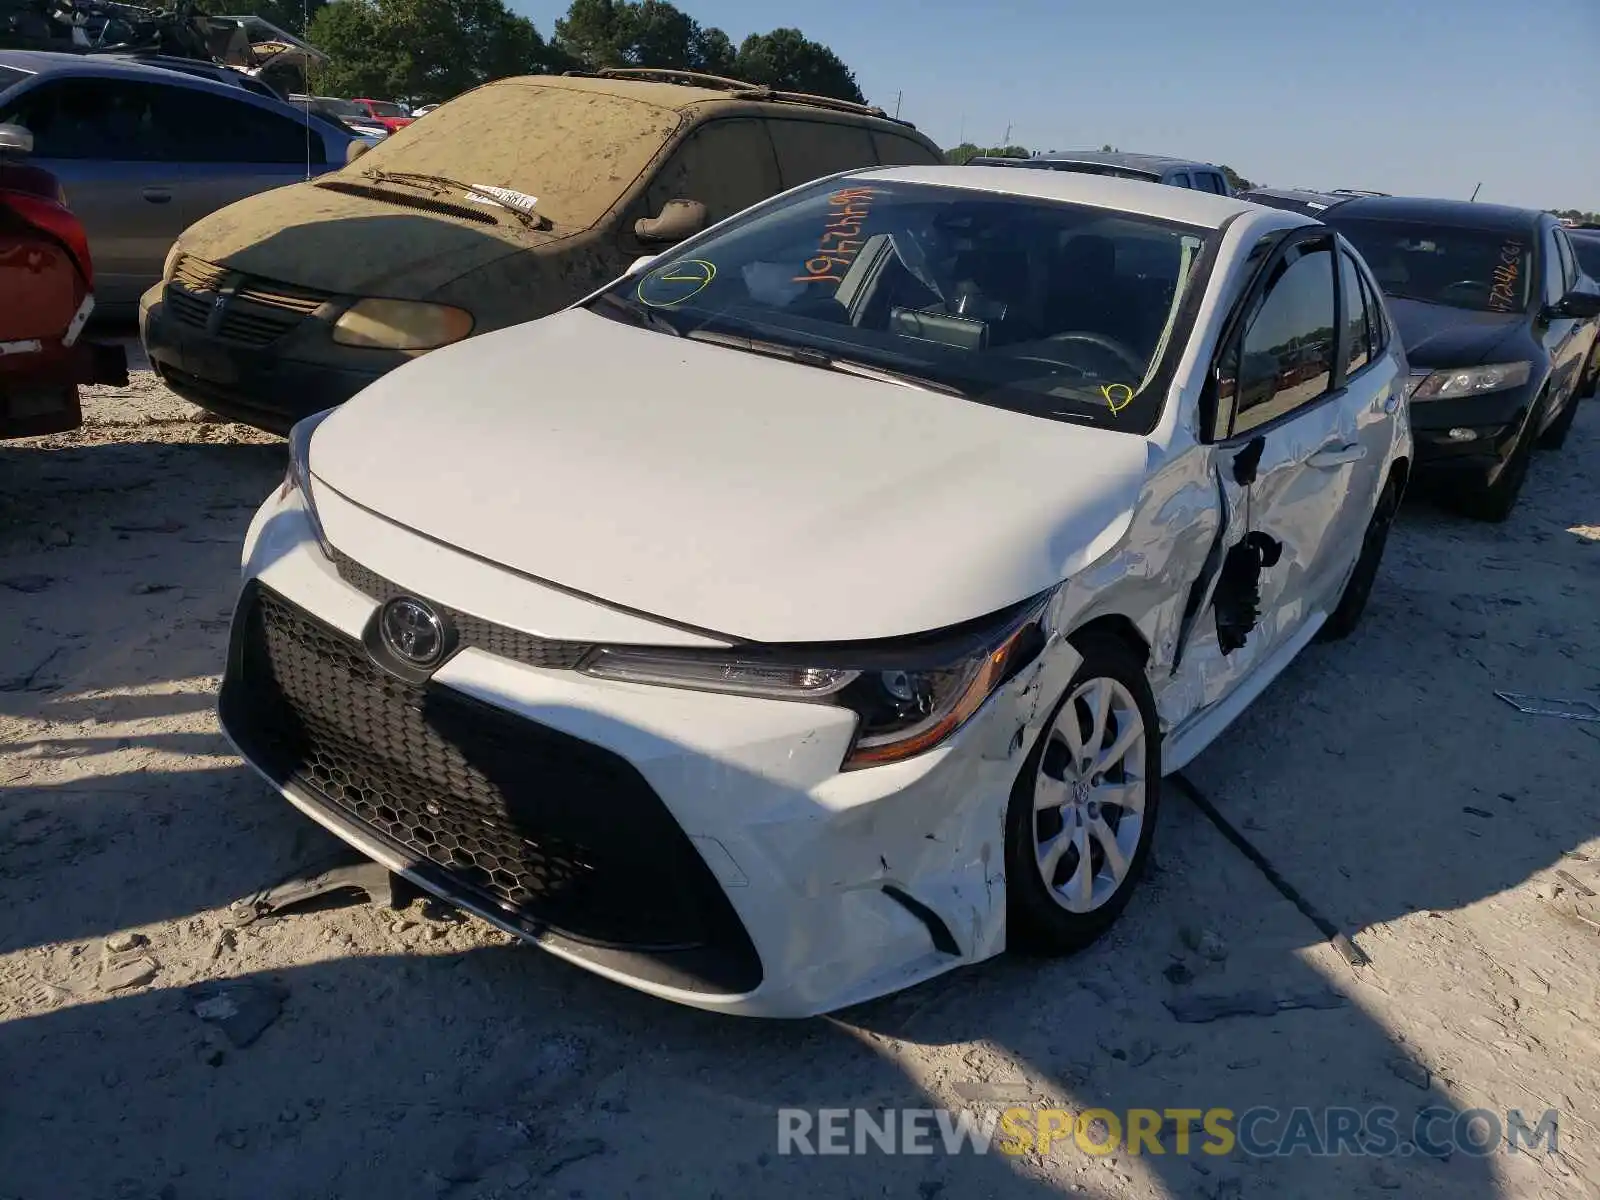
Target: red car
{"x": 386, "y": 113}
{"x": 46, "y": 296}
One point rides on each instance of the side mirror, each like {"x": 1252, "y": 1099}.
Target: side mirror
{"x": 1579, "y": 303}
{"x": 16, "y": 139}
{"x": 679, "y": 219}
{"x": 355, "y": 150}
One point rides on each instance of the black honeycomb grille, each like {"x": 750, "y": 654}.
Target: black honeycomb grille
{"x": 557, "y": 831}
{"x": 492, "y": 638}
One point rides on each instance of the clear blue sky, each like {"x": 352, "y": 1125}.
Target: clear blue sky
{"x": 1423, "y": 97}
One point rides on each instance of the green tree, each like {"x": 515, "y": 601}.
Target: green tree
{"x": 423, "y": 51}
{"x": 1236, "y": 181}
{"x": 788, "y": 60}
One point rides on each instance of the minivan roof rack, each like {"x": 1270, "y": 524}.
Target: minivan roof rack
{"x": 740, "y": 88}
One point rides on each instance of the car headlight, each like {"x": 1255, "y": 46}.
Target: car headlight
{"x": 171, "y": 264}
{"x": 1472, "y": 381}
{"x": 401, "y": 325}
{"x": 907, "y": 698}
{"x": 298, "y": 477}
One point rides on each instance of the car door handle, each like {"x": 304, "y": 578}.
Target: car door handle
{"x": 157, "y": 195}
{"x": 1337, "y": 456}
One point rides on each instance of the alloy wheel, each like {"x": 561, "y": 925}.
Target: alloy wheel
{"x": 1089, "y": 795}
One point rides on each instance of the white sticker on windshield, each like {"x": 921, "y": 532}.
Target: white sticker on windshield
{"x": 505, "y": 197}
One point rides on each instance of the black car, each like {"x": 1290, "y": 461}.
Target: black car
{"x": 1498, "y": 321}
{"x": 1298, "y": 200}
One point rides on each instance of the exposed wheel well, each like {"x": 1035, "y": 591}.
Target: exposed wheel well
{"x": 1120, "y": 627}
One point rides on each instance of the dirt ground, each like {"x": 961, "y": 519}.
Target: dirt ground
{"x": 415, "y": 1054}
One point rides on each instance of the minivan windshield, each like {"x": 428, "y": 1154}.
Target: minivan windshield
{"x": 1484, "y": 270}
{"x": 574, "y": 149}
{"x": 1053, "y": 309}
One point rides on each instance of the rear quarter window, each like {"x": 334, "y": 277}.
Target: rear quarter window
{"x": 896, "y": 151}
{"x": 10, "y": 75}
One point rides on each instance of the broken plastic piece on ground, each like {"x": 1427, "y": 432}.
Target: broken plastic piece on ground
{"x": 1540, "y": 706}
{"x": 372, "y": 878}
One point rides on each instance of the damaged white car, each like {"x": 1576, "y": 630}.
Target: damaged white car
{"x": 818, "y": 607}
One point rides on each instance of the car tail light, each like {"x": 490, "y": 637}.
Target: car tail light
{"x": 57, "y": 220}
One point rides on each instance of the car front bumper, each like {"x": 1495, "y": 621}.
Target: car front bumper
{"x": 703, "y": 848}
{"x": 1495, "y": 421}
{"x": 270, "y": 386}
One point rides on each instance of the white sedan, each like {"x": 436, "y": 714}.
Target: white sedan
{"x": 818, "y": 607}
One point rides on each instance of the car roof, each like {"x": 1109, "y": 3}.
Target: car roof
{"x": 117, "y": 66}
{"x": 1185, "y": 205}
{"x": 1462, "y": 214}
{"x": 1154, "y": 163}
{"x": 686, "y": 90}
{"x": 1296, "y": 199}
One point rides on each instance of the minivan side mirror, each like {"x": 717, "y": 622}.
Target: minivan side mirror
{"x": 16, "y": 139}
{"x": 679, "y": 219}
{"x": 354, "y": 150}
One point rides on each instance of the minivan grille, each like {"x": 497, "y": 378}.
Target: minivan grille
{"x": 256, "y": 312}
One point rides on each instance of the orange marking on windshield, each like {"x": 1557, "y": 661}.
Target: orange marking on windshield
{"x": 841, "y": 236}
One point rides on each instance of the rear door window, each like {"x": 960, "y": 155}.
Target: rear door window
{"x": 119, "y": 121}
{"x": 1180, "y": 179}
{"x": 203, "y": 127}
{"x": 809, "y": 150}
{"x": 896, "y": 151}
{"x": 1358, "y": 348}
{"x": 725, "y": 165}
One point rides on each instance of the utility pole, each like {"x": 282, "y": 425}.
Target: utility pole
{"x": 897, "y": 96}
{"x": 962, "y": 140}
{"x": 1476, "y": 190}
{"x": 1006, "y": 141}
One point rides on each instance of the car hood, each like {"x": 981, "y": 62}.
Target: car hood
{"x": 1436, "y": 335}
{"x": 352, "y": 245}
{"x": 748, "y": 496}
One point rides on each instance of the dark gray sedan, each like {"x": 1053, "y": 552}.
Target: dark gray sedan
{"x": 145, "y": 151}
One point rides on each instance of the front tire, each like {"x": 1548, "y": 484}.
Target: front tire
{"x": 1555, "y": 437}
{"x": 1083, "y": 807}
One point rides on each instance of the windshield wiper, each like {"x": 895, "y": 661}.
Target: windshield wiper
{"x": 439, "y": 183}
{"x": 819, "y": 358}
{"x": 640, "y": 313}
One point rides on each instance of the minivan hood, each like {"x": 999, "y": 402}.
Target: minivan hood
{"x": 752, "y": 497}
{"x": 1436, "y": 335}
{"x": 351, "y": 245}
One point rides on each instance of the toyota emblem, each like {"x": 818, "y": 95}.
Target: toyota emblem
{"x": 412, "y": 631}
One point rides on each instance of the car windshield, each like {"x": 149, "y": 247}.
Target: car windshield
{"x": 1587, "y": 248}
{"x": 1484, "y": 270}
{"x": 1053, "y": 309}
{"x": 575, "y": 150}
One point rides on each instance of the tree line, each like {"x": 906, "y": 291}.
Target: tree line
{"x": 426, "y": 51}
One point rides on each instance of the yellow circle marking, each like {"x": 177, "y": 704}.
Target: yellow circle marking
{"x": 686, "y": 271}
{"x": 1118, "y": 396}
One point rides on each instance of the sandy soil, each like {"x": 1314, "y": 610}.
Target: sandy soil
{"x": 416, "y": 1054}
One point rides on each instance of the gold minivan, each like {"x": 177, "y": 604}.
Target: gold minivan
{"x": 509, "y": 202}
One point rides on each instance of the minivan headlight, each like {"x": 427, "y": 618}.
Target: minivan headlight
{"x": 401, "y": 325}
{"x": 1472, "y": 381}
{"x": 901, "y": 710}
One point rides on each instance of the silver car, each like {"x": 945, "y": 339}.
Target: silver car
{"x": 145, "y": 151}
